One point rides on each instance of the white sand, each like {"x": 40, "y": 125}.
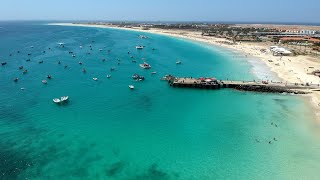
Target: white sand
{"x": 289, "y": 69}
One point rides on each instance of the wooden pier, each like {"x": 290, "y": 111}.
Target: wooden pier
{"x": 258, "y": 86}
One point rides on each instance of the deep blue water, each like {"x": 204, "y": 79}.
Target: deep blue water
{"x": 108, "y": 131}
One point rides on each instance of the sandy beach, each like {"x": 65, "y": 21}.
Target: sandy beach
{"x": 291, "y": 69}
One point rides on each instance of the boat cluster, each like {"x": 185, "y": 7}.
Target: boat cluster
{"x": 61, "y": 100}
{"x": 64, "y": 99}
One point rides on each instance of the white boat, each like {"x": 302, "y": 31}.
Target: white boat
{"x": 154, "y": 72}
{"x": 108, "y": 76}
{"x": 56, "y": 100}
{"x": 95, "y": 79}
{"x": 178, "y": 62}
{"x": 64, "y": 98}
{"x": 145, "y": 66}
{"x": 44, "y": 81}
{"x": 131, "y": 86}
{"x": 61, "y": 44}
{"x": 139, "y": 47}
{"x": 61, "y": 99}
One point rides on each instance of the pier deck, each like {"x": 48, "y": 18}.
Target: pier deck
{"x": 259, "y": 86}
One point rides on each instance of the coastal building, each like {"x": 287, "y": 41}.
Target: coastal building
{"x": 305, "y": 39}
{"x": 307, "y": 32}
{"x": 280, "y": 51}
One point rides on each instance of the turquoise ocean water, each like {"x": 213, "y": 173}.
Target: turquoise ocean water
{"x": 108, "y": 131}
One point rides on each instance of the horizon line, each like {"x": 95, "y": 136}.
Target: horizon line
{"x": 163, "y": 21}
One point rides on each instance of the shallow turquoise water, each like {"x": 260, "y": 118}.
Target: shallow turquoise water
{"x": 108, "y": 131}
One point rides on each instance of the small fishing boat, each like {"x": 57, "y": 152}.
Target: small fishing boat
{"x": 154, "y": 72}
{"x": 20, "y": 67}
{"x": 64, "y": 98}
{"x": 49, "y": 76}
{"x": 95, "y": 79}
{"x": 137, "y": 77}
{"x": 28, "y": 60}
{"x": 44, "y": 81}
{"x": 73, "y": 55}
{"x": 56, "y": 100}
{"x": 108, "y": 76}
{"x": 40, "y": 62}
{"x": 139, "y": 47}
{"x": 65, "y": 66}
{"x": 112, "y": 69}
{"x": 145, "y": 66}
{"x": 25, "y": 71}
{"x": 15, "y": 79}
{"x": 100, "y": 50}
{"x": 61, "y": 44}
{"x": 131, "y": 86}
{"x": 3, "y": 63}
{"x": 80, "y": 62}
{"x": 22, "y": 88}
{"x": 178, "y": 62}
{"x": 61, "y": 100}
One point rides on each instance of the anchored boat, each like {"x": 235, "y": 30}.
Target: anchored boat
{"x": 139, "y": 47}
{"x": 61, "y": 100}
{"x": 137, "y": 77}
{"x": 145, "y": 66}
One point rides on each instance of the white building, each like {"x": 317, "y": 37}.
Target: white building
{"x": 307, "y": 32}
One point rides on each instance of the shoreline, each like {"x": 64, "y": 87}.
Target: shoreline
{"x": 291, "y": 69}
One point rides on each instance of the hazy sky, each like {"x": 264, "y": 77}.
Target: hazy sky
{"x": 163, "y": 10}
